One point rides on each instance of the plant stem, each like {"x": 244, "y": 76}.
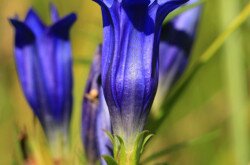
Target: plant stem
{"x": 236, "y": 85}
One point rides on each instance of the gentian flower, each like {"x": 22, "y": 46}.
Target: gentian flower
{"x": 175, "y": 47}
{"x": 95, "y": 116}
{"x": 103, "y": 125}
{"x": 131, "y": 30}
{"x": 44, "y": 67}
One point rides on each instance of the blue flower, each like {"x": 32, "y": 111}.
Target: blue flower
{"x": 95, "y": 115}
{"x": 176, "y": 43}
{"x": 44, "y": 67}
{"x": 103, "y": 124}
{"x": 131, "y": 30}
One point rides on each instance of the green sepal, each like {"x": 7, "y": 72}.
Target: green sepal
{"x": 139, "y": 144}
{"x": 119, "y": 150}
{"x": 145, "y": 141}
{"x": 109, "y": 160}
{"x": 120, "y": 153}
{"x": 113, "y": 140}
{"x": 127, "y": 153}
{"x": 111, "y": 137}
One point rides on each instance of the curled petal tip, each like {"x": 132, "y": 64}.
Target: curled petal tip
{"x": 32, "y": 15}
{"x": 31, "y": 12}
{"x": 54, "y": 13}
{"x": 24, "y": 35}
{"x": 34, "y": 22}
{"x": 61, "y": 28}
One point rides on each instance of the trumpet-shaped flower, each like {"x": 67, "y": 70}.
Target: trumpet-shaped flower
{"x": 131, "y": 30}
{"x": 95, "y": 115}
{"x": 176, "y": 43}
{"x": 44, "y": 67}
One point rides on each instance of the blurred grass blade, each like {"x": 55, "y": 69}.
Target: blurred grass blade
{"x": 203, "y": 139}
{"x": 182, "y": 10}
{"x": 82, "y": 61}
{"x": 192, "y": 69}
{"x": 234, "y": 25}
{"x": 236, "y": 83}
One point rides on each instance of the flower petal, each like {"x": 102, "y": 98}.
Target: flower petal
{"x": 56, "y": 68}
{"x": 56, "y": 64}
{"x": 130, "y": 60}
{"x": 34, "y": 22}
{"x": 95, "y": 116}
{"x": 44, "y": 66}
{"x": 103, "y": 124}
{"x": 90, "y": 110}
{"x": 61, "y": 28}
{"x": 176, "y": 43}
{"x": 54, "y": 13}
{"x": 24, "y": 36}
{"x": 25, "y": 64}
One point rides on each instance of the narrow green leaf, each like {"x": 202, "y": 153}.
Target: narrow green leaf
{"x": 236, "y": 86}
{"x": 82, "y": 61}
{"x": 220, "y": 40}
{"x": 200, "y": 140}
{"x": 182, "y": 10}
{"x": 109, "y": 160}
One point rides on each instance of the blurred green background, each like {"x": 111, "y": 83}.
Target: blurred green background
{"x": 208, "y": 122}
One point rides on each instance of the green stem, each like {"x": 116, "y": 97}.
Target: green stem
{"x": 236, "y": 85}
{"x": 59, "y": 146}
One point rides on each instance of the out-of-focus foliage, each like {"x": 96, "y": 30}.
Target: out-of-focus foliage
{"x": 203, "y": 106}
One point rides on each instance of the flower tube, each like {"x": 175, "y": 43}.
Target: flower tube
{"x": 95, "y": 116}
{"x": 44, "y": 67}
{"x": 131, "y": 34}
{"x": 131, "y": 30}
{"x": 175, "y": 47}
